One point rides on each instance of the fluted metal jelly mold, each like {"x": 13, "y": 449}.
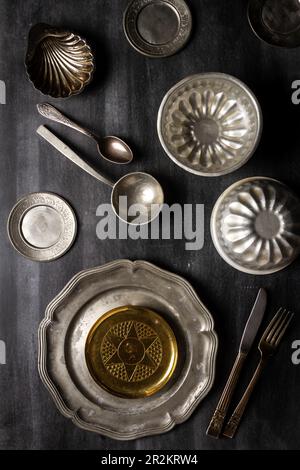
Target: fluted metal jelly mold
{"x": 255, "y": 225}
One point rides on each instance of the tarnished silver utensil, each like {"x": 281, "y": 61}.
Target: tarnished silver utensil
{"x": 215, "y": 427}
{"x": 110, "y": 148}
{"x": 141, "y": 190}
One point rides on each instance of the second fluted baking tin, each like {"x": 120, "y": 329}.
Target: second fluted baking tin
{"x": 59, "y": 62}
{"x": 42, "y": 226}
{"x": 157, "y": 28}
{"x": 209, "y": 124}
{"x": 255, "y": 225}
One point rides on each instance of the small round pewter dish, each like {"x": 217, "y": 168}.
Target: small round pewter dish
{"x": 42, "y": 226}
{"x": 59, "y": 63}
{"x": 276, "y": 22}
{"x": 157, "y": 28}
{"x": 255, "y": 225}
{"x": 209, "y": 124}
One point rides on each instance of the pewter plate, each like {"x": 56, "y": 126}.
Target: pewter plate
{"x": 255, "y": 225}
{"x": 157, "y": 28}
{"x": 42, "y": 226}
{"x": 276, "y": 22}
{"x": 209, "y": 124}
{"x": 68, "y": 321}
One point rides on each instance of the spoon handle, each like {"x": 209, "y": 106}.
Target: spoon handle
{"x": 50, "y": 112}
{"x": 71, "y": 155}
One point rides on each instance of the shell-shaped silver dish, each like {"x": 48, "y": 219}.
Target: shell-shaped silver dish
{"x": 255, "y": 225}
{"x": 209, "y": 124}
{"x": 68, "y": 321}
{"x": 59, "y": 63}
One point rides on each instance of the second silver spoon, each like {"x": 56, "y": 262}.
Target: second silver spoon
{"x": 111, "y": 148}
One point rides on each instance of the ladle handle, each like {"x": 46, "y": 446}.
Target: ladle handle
{"x": 49, "y": 112}
{"x": 71, "y": 155}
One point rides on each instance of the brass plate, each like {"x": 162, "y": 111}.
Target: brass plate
{"x": 131, "y": 352}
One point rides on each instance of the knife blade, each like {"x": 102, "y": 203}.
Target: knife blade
{"x": 250, "y": 331}
{"x": 254, "y": 321}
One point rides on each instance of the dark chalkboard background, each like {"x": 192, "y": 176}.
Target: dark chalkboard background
{"x": 124, "y": 99}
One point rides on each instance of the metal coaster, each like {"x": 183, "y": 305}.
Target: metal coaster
{"x": 131, "y": 351}
{"x": 209, "y": 124}
{"x": 157, "y": 28}
{"x": 42, "y": 226}
{"x": 276, "y": 22}
{"x": 86, "y": 325}
{"x": 255, "y": 225}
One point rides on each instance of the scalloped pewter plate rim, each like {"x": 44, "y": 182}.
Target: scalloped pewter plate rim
{"x": 204, "y": 76}
{"x": 72, "y": 414}
{"x": 215, "y": 239}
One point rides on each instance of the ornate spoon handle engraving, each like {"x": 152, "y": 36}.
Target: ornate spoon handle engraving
{"x": 215, "y": 427}
{"x": 49, "y": 112}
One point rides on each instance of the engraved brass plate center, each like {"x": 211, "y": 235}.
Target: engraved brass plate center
{"x": 131, "y": 352}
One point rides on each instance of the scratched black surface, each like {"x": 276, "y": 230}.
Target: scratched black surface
{"x": 124, "y": 100}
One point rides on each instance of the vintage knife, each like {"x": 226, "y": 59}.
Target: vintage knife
{"x": 252, "y": 326}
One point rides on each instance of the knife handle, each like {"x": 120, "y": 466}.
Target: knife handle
{"x": 215, "y": 426}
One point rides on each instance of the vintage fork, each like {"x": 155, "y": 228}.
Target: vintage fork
{"x": 267, "y": 346}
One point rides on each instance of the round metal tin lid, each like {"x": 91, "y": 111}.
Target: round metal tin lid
{"x": 157, "y": 28}
{"x": 131, "y": 352}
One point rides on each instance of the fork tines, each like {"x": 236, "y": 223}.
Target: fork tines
{"x": 277, "y": 327}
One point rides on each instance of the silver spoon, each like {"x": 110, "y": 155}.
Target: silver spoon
{"x": 111, "y": 148}
{"x": 139, "y": 188}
